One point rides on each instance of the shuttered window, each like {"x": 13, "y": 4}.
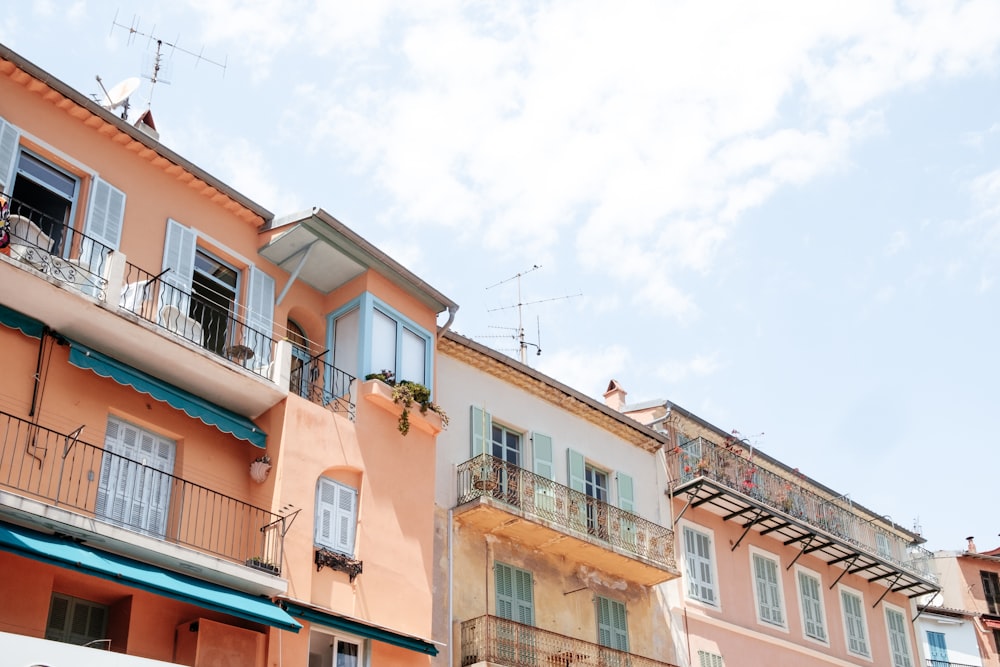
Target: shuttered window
{"x": 899, "y": 644}
{"x": 514, "y": 594}
{"x": 812, "y": 607}
{"x": 768, "y": 590}
{"x": 336, "y": 516}
{"x": 75, "y": 621}
{"x": 698, "y": 566}
{"x": 706, "y": 659}
{"x": 854, "y": 623}
{"x": 612, "y": 625}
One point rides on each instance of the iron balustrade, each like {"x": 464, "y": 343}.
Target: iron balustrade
{"x": 945, "y": 663}
{"x": 323, "y": 384}
{"x": 196, "y": 319}
{"x": 60, "y": 469}
{"x": 726, "y": 465}
{"x": 56, "y": 249}
{"x": 502, "y": 642}
{"x": 541, "y": 498}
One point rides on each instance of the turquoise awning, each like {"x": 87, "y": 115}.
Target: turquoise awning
{"x": 360, "y": 629}
{"x": 74, "y": 556}
{"x": 15, "y": 320}
{"x": 195, "y": 406}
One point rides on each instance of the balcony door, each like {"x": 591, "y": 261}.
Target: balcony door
{"x": 506, "y": 447}
{"x": 134, "y": 489}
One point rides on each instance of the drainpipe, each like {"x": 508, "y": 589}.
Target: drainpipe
{"x": 451, "y": 587}
{"x": 447, "y": 325}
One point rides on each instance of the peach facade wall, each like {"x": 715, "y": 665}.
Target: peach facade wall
{"x": 725, "y": 628}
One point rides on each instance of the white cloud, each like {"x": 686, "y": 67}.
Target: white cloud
{"x": 587, "y": 370}
{"x": 702, "y": 365}
{"x": 897, "y": 242}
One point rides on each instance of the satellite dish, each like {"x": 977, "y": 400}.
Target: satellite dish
{"x": 119, "y": 93}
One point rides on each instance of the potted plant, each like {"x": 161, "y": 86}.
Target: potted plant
{"x": 259, "y": 468}
{"x": 261, "y": 563}
{"x": 407, "y": 393}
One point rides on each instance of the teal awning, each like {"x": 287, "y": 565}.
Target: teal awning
{"x": 74, "y": 556}
{"x": 15, "y": 320}
{"x": 361, "y": 629}
{"x": 195, "y": 406}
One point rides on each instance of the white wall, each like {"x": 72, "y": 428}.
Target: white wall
{"x": 959, "y": 638}
{"x": 23, "y": 651}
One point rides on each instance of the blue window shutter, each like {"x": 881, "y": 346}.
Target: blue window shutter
{"x": 612, "y": 626}
{"x": 9, "y": 137}
{"x": 480, "y": 423}
{"x": 939, "y": 650}
{"x": 577, "y": 472}
{"x": 542, "y": 445}
{"x": 260, "y": 315}
{"x": 178, "y": 257}
{"x": 524, "y": 597}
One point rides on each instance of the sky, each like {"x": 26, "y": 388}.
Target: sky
{"x": 782, "y": 216}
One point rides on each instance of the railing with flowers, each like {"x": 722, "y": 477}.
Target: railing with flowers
{"x": 541, "y": 498}
{"x": 54, "y": 248}
{"x": 727, "y": 465}
{"x": 501, "y": 642}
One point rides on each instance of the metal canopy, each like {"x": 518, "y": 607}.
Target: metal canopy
{"x": 752, "y": 514}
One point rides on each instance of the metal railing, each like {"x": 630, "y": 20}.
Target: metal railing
{"x": 726, "y": 465}
{"x": 54, "y": 248}
{"x": 945, "y": 663}
{"x": 322, "y": 383}
{"x": 541, "y": 498}
{"x": 502, "y": 642}
{"x": 67, "y": 472}
{"x": 196, "y": 319}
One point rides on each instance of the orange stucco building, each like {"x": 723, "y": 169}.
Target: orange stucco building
{"x": 193, "y": 469}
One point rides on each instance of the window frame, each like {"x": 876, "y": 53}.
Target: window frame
{"x": 616, "y": 634}
{"x": 908, "y": 661}
{"x": 687, "y": 526}
{"x": 73, "y": 604}
{"x": 866, "y": 635}
{"x": 781, "y": 608}
{"x": 709, "y": 659}
{"x": 332, "y": 545}
{"x": 990, "y": 582}
{"x": 517, "y": 602}
{"x": 821, "y": 604}
{"x": 367, "y": 303}
{"x": 335, "y": 638}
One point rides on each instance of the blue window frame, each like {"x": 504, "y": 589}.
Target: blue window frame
{"x": 368, "y": 336}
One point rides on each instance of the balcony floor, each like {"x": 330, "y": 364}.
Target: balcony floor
{"x": 731, "y": 505}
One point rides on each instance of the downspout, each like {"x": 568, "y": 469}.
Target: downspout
{"x": 451, "y": 586}
{"x": 447, "y": 325}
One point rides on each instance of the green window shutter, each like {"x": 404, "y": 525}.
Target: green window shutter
{"x": 504, "y": 579}
{"x": 480, "y": 428}
{"x": 524, "y": 597}
{"x": 626, "y": 498}
{"x": 612, "y": 630}
{"x": 577, "y": 473}
{"x": 514, "y": 594}
{"x": 543, "y": 455}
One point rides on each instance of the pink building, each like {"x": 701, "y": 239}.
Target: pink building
{"x": 193, "y": 469}
{"x": 970, "y": 582}
{"x": 777, "y": 568}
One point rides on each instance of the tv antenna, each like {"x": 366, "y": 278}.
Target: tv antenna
{"x": 158, "y": 69}
{"x": 118, "y": 95}
{"x": 519, "y": 334}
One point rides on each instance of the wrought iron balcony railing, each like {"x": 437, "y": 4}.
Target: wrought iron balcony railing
{"x": 322, "y": 383}
{"x": 502, "y": 642}
{"x": 57, "y": 250}
{"x": 701, "y": 458}
{"x": 60, "y": 469}
{"x": 576, "y": 512}
{"x": 945, "y": 663}
{"x": 196, "y": 319}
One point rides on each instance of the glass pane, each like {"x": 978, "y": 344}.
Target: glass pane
{"x": 413, "y": 367}
{"x": 347, "y": 654}
{"x": 345, "y": 342}
{"x": 49, "y": 176}
{"x": 383, "y": 343}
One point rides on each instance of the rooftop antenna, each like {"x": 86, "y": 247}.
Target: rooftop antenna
{"x": 118, "y": 95}
{"x": 519, "y": 336}
{"x": 158, "y": 69}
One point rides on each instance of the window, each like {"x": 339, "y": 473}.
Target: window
{"x": 991, "y": 590}
{"x": 767, "y": 589}
{"x": 706, "y": 659}
{"x": 506, "y": 447}
{"x": 515, "y": 598}
{"x": 336, "y": 516}
{"x": 329, "y": 650}
{"x": 899, "y": 642}
{"x": 854, "y": 623}
{"x": 612, "y": 625}
{"x": 939, "y": 649}
{"x": 698, "y": 566}
{"x": 596, "y": 487}
{"x": 75, "y": 621}
{"x": 369, "y": 336}
{"x": 298, "y": 378}
{"x": 200, "y": 294}
{"x": 48, "y": 195}
{"x": 811, "y": 600}
{"x": 134, "y": 488}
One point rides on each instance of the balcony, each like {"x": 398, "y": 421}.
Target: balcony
{"x": 506, "y": 500}
{"x": 167, "y": 316}
{"x": 945, "y": 663}
{"x": 727, "y": 483}
{"x": 489, "y": 639}
{"x": 61, "y": 471}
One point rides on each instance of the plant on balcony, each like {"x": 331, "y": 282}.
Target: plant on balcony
{"x": 406, "y": 393}
{"x": 261, "y": 563}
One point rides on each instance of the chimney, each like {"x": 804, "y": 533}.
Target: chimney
{"x": 971, "y": 548}
{"x": 614, "y": 397}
